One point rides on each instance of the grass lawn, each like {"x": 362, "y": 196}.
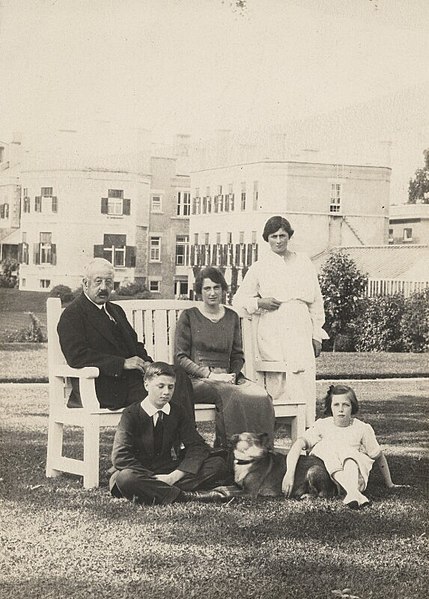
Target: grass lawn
{"x": 14, "y": 308}
{"x": 61, "y": 541}
{"x": 29, "y": 361}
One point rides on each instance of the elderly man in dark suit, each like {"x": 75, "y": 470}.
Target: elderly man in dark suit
{"x": 95, "y": 332}
{"x": 158, "y": 456}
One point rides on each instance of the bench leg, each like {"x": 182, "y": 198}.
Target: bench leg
{"x": 55, "y": 447}
{"x": 298, "y": 423}
{"x": 91, "y": 453}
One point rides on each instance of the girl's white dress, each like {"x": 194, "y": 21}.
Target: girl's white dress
{"x": 286, "y": 334}
{"x": 335, "y": 444}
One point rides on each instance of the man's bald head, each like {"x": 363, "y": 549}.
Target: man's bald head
{"x": 98, "y": 280}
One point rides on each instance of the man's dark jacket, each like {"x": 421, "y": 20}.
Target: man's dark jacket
{"x": 88, "y": 338}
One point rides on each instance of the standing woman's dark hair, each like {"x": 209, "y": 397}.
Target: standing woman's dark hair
{"x": 212, "y": 273}
{"x": 340, "y": 390}
{"x": 275, "y": 223}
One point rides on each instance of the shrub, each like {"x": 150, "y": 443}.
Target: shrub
{"x": 415, "y": 322}
{"x": 133, "y": 290}
{"x": 378, "y": 327}
{"x": 63, "y": 292}
{"x": 33, "y": 333}
{"x": 343, "y": 287}
{"x": 7, "y": 277}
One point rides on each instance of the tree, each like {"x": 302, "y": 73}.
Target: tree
{"x": 343, "y": 287}
{"x": 418, "y": 189}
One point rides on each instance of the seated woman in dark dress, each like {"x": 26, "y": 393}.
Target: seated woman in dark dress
{"x": 208, "y": 347}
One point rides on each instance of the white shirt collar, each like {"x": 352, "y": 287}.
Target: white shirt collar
{"x": 150, "y": 409}
{"x": 99, "y": 306}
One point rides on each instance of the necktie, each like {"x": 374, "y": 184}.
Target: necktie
{"x": 158, "y": 432}
{"x": 109, "y": 316}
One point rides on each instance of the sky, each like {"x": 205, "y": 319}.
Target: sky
{"x": 337, "y": 75}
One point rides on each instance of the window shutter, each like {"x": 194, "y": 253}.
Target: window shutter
{"x": 126, "y": 207}
{"x": 20, "y": 252}
{"x": 192, "y": 255}
{"x": 38, "y": 204}
{"x": 36, "y": 253}
{"x": 98, "y": 251}
{"x": 2, "y": 211}
{"x": 104, "y": 205}
{"x": 54, "y": 204}
{"x": 53, "y": 253}
{"x": 249, "y": 254}
{"x": 130, "y": 256}
{"x": 237, "y": 254}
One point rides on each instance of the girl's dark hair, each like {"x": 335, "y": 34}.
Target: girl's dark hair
{"x": 275, "y": 223}
{"x": 340, "y": 390}
{"x": 212, "y": 273}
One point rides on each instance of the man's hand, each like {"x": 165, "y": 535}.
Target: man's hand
{"x": 287, "y": 484}
{"x": 317, "y": 347}
{"x": 268, "y": 303}
{"x": 135, "y": 363}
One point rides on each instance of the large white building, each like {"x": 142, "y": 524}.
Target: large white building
{"x": 10, "y": 199}
{"x": 327, "y": 205}
{"x": 69, "y": 216}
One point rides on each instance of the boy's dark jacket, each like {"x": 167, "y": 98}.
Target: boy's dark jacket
{"x": 133, "y": 443}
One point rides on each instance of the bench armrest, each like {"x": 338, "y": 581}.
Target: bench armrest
{"x": 89, "y": 372}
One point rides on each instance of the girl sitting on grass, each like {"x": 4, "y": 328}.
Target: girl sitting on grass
{"x": 347, "y": 446}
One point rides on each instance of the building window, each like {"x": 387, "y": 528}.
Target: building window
{"x": 255, "y": 195}
{"x": 4, "y": 211}
{"x": 241, "y": 237}
{"x": 229, "y": 237}
{"x": 54, "y": 206}
{"x": 115, "y": 204}
{"x": 182, "y": 250}
{"x": 391, "y": 240}
{"x": 407, "y": 234}
{"x": 218, "y": 238}
{"x": 46, "y": 248}
{"x": 114, "y": 248}
{"x": 206, "y": 238}
{"x": 156, "y": 203}
{"x": 45, "y": 283}
{"x": 26, "y": 202}
{"x": 253, "y": 237}
{"x": 183, "y": 203}
{"x": 23, "y": 282}
{"x": 154, "y": 285}
{"x": 155, "y": 249}
{"x": 24, "y": 252}
{"x": 243, "y": 195}
{"x": 195, "y": 238}
{"x": 335, "y": 200}
{"x": 47, "y": 192}
{"x": 181, "y": 288}
{"x": 38, "y": 204}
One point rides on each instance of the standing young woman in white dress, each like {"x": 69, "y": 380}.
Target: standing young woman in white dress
{"x": 283, "y": 288}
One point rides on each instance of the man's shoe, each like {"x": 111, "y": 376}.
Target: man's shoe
{"x": 203, "y": 496}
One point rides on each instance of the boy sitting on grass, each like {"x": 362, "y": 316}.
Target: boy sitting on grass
{"x": 148, "y": 465}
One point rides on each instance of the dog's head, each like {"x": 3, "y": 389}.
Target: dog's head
{"x": 249, "y": 447}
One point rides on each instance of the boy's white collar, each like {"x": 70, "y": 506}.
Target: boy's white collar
{"x": 150, "y": 409}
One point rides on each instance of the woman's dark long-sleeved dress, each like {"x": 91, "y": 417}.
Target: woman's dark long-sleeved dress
{"x": 203, "y": 346}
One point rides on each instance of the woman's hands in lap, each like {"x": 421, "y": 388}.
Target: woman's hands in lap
{"x": 222, "y": 377}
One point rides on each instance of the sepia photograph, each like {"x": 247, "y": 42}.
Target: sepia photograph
{"x": 214, "y": 299}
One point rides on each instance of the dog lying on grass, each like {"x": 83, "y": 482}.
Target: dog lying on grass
{"x": 259, "y": 471}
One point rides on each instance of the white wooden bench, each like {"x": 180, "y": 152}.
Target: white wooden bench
{"x": 155, "y": 324}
